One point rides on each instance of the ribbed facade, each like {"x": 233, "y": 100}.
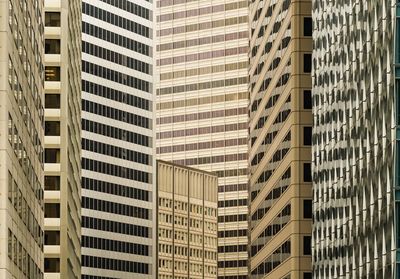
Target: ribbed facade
{"x": 355, "y": 139}
{"x": 280, "y": 139}
{"x": 202, "y": 100}
{"x": 186, "y": 222}
{"x": 62, "y": 140}
{"x": 21, "y": 139}
{"x": 118, "y": 167}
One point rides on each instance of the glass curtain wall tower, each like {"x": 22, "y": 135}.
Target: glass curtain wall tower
{"x": 280, "y": 139}
{"x": 118, "y": 167}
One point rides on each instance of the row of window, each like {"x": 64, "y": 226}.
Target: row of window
{"x": 131, "y": 8}
{"x": 116, "y": 170}
{"x": 232, "y": 263}
{"x": 281, "y": 254}
{"x": 232, "y": 218}
{"x": 212, "y": 159}
{"x": 203, "y": 100}
{"x": 24, "y": 211}
{"x": 116, "y": 227}
{"x": 116, "y": 57}
{"x": 232, "y": 172}
{"x": 232, "y": 233}
{"x": 116, "y": 133}
{"x": 115, "y": 189}
{"x": 202, "y": 26}
{"x": 204, "y": 70}
{"x": 201, "y": 145}
{"x": 119, "y": 115}
{"x": 202, "y": 41}
{"x": 116, "y": 208}
{"x": 233, "y": 187}
{"x": 116, "y": 76}
{"x": 232, "y": 203}
{"x": 114, "y": 264}
{"x": 232, "y": 248}
{"x": 114, "y": 245}
{"x": 116, "y": 39}
{"x": 201, "y": 56}
{"x": 201, "y": 115}
{"x": 116, "y": 20}
{"x": 116, "y": 95}
{"x": 25, "y": 162}
{"x": 21, "y": 258}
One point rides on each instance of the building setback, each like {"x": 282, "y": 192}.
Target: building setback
{"x": 118, "y": 166}
{"x": 355, "y": 139}
{"x": 202, "y": 99}
{"x": 280, "y": 139}
{"x": 62, "y": 139}
{"x": 21, "y": 139}
{"x": 187, "y": 222}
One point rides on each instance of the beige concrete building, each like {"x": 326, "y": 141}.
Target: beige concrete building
{"x": 21, "y": 139}
{"x": 62, "y": 163}
{"x": 280, "y": 139}
{"x": 202, "y": 99}
{"x": 187, "y": 222}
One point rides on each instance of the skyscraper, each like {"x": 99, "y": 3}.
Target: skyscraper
{"x": 21, "y": 139}
{"x": 119, "y": 213}
{"x": 202, "y": 100}
{"x": 62, "y": 139}
{"x": 355, "y": 139}
{"x": 280, "y": 139}
{"x": 187, "y": 222}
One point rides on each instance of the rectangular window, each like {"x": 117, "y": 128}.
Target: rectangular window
{"x": 307, "y": 58}
{"x": 52, "y": 183}
{"x": 307, "y": 135}
{"x": 307, "y": 275}
{"x": 307, "y": 27}
{"x": 52, "y": 73}
{"x": 307, "y": 245}
{"x": 307, "y": 176}
{"x": 52, "y": 101}
{"x": 53, "y": 19}
{"x": 52, "y": 46}
{"x": 307, "y": 209}
{"x": 307, "y": 99}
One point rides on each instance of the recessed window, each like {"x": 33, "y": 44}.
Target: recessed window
{"x": 307, "y": 135}
{"x": 52, "y": 128}
{"x": 307, "y": 177}
{"x": 307, "y": 209}
{"x": 52, "y": 19}
{"x": 307, "y": 245}
{"x": 307, "y": 275}
{"x": 52, "y": 101}
{"x": 52, "y": 46}
{"x": 51, "y": 265}
{"x": 51, "y": 183}
{"x": 52, "y": 237}
{"x": 51, "y": 210}
{"x": 307, "y": 62}
{"x": 307, "y": 31}
{"x": 52, "y": 73}
{"x": 52, "y": 155}
{"x": 307, "y": 99}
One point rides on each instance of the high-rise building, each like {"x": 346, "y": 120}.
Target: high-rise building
{"x": 21, "y": 139}
{"x": 280, "y": 139}
{"x": 187, "y": 209}
{"x": 202, "y": 99}
{"x": 356, "y": 93}
{"x": 118, "y": 165}
{"x": 62, "y": 195}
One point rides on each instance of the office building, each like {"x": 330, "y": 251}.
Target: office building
{"x": 187, "y": 222}
{"x": 280, "y": 139}
{"x": 355, "y": 139}
{"x": 21, "y": 139}
{"x": 202, "y": 99}
{"x": 62, "y": 155}
{"x": 118, "y": 164}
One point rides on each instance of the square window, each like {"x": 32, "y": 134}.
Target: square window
{"x": 307, "y": 275}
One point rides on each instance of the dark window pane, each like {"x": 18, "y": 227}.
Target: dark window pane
{"x": 307, "y": 172}
{"x": 52, "y": 101}
{"x": 307, "y": 134}
{"x": 307, "y": 209}
{"x": 52, "y": 19}
{"x": 52, "y": 46}
{"x": 307, "y": 26}
{"x": 307, "y": 63}
{"x": 52, "y": 73}
{"x": 307, "y": 100}
{"x": 307, "y": 245}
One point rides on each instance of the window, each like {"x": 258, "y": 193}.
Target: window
{"x": 52, "y": 155}
{"x": 307, "y": 62}
{"x": 307, "y": 275}
{"x": 52, "y": 128}
{"x": 307, "y": 99}
{"x": 51, "y": 265}
{"x": 52, "y": 19}
{"x": 52, "y": 73}
{"x": 307, "y": 245}
{"x": 52, "y": 183}
{"x": 307, "y": 209}
{"x": 52, "y": 210}
{"x": 52, "y": 237}
{"x": 307, "y": 135}
{"x": 307, "y": 177}
{"x": 52, "y": 46}
{"x": 52, "y": 101}
{"x": 307, "y": 27}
